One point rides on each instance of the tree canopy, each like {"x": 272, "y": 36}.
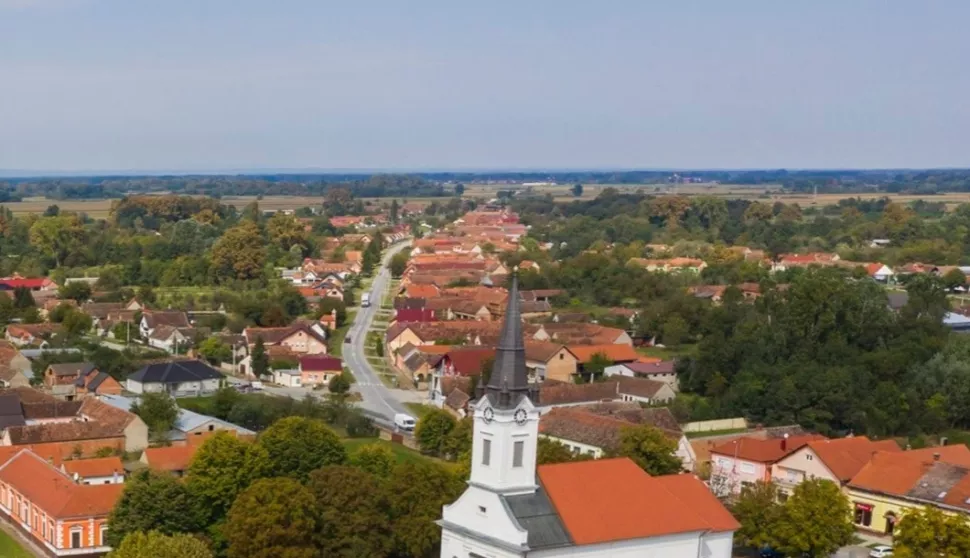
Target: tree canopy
{"x": 296, "y": 446}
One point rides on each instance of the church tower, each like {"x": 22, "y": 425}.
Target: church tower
{"x": 506, "y": 427}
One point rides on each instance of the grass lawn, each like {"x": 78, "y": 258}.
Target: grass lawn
{"x": 10, "y": 548}
{"x": 707, "y": 433}
{"x": 668, "y": 352}
{"x": 401, "y": 453}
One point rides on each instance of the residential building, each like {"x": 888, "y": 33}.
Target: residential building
{"x": 62, "y": 516}
{"x": 300, "y": 337}
{"x": 549, "y": 361}
{"x": 76, "y": 379}
{"x": 97, "y": 470}
{"x": 189, "y": 426}
{"x": 34, "y": 283}
{"x": 35, "y": 335}
{"x": 15, "y": 368}
{"x": 834, "y": 460}
{"x": 609, "y": 353}
{"x": 173, "y": 459}
{"x": 287, "y": 377}
{"x": 319, "y": 370}
{"x": 151, "y": 319}
{"x": 606, "y": 507}
{"x": 892, "y": 484}
{"x": 178, "y": 377}
{"x": 746, "y": 460}
{"x": 652, "y": 369}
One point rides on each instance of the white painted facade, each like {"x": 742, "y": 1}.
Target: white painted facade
{"x": 204, "y": 386}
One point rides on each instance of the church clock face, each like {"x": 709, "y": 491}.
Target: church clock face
{"x": 521, "y": 416}
{"x": 488, "y": 414}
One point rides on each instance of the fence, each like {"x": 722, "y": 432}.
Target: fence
{"x": 715, "y": 425}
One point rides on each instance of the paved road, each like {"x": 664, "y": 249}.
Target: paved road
{"x": 377, "y": 398}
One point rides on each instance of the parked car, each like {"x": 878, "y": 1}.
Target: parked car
{"x": 881, "y": 551}
{"x": 257, "y": 386}
{"x": 404, "y": 422}
{"x": 768, "y": 552}
{"x": 347, "y": 339}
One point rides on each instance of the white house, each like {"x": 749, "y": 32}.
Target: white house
{"x": 287, "y": 378}
{"x": 599, "y": 508}
{"x": 179, "y": 377}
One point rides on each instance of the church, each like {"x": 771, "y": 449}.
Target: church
{"x": 600, "y": 508}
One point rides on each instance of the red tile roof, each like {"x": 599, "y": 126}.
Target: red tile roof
{"x": 320, "y": 364}
{"x": 422, "y": 291}
{"x": 846, "y": 456}
{"x": 31, "y": 283}
{"x": 54, "y": 491}
{"x": 406, "y": 315}
{"x": 98, "y": 467}
{"x": 610, "y": 500}
{"x": 466, "y": 361}
{"x": 764, "y": 451}
{"x": 172, "y": 459}
{"x": 613, "y": 352}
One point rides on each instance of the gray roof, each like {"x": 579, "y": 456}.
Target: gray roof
{"x": 175, "y": 372}
{"x": 535, "y": 514}
{"x": 510, "y": 379}
{"x": 72, "y": 368}
{"x": 186, "y": 421}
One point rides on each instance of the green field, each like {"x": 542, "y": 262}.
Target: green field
{"x": 9, "y": 548}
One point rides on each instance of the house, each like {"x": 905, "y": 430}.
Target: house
{"x": 287, "y": 377}
{"x": 97, "y": 470}
{"x": 329, "y": 321}
{"x": 62, "y": 516}
{"x": 31, "y": 334}
{"x": 319, "y": 369}
{"x": 174, "y": 339}
{"x": 746, "y": 460}
{"x": 672, "y": 265}
{"x": 603, "y": 507}
{"x": 880, "y": 272}
{"x": 189, "y": 426}
{"x": 13, "y": 366}
{"x": 789, "y": 261}
{"x": 173, "y": 459}
{"x": 409, "y": 315}
{"x": 180, "y": 377}
{"x": 151, "y": 319}
{"x": 612, "y": 353}
{"x": 76, "y": 379}
{"x": 892, "y": 484}
{"x": 652, "y": 369}
{"x": 834, "y": 460}
{"x": 549, "y": 361}
{"x": 33, "y": 284}
{"x": 300, "y": 337}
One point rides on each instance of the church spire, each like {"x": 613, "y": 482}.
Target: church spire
{"x": 510, "y": 380}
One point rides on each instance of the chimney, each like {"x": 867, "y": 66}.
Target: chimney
{"x": 784, "y": 443}
{"x": 936, "y": 456}
{"x": 114, "y": 477}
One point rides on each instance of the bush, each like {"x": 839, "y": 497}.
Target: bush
{"x": 360, "y": 426}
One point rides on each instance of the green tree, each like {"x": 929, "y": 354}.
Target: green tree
{"x": 76, "y": 323}
{"x": 459, "y": 189}
{"x": 394, "y": 211}
{"x": 459, "y": 440}
{"x": 379, "y": 346}
{"x": 399, "y": 263}
{"x": 221, "y": 468}
{"x": 273, "y": 517}
{"x": 223, "y": 400}
{"x": 285, "y": 230}
{"x": 416, "y": 492}
{"x": 214, "y": 351}
{"x": 577, "y": 190}
{"x": 954, "y": 278}
{"x": 59, "y": 312}
{"x": 339, "y": 385}
{"x": 57, "y": 236}
{"x": 815, "y": 521}
{"x": 22, "y": 298}
{"x": 259, "y": 360}
{"x": 674, "y": 330}
{"x": 75, "y": 290}
{"x": 153, "y": 502}
{"x": 156, "y": 545}
{"x": 433, "y": 429}
{"x": 930, "y": 532}
{"x": 239, "y": 254}
{"x": 159, "y": 411}
{"x": 550, "y": 451}
{"x": 353, "y": 517}
{"x": 596, "y": 366}
{"x": 650, "y": 448}
{"x": 298, "y": 445}
{"x": 377, "y": 459}
{"x": 757, "y": 510}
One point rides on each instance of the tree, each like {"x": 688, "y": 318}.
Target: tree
{"x": 550, "y": 451}
{"x": 298, "y": 445}
{"x": 954, "y": 278}
{"x": 674, "y": 330}
{"x": 930, "y": 532}
{"x": 285, "y": 230}
{"x": 57, "y": 236}
{"x": 329, "y": 305}
{"x": 393, "y": 213}
{"x": 159, "y": 411}
{"x": 377, "y": 459}
{"x": 757, "y": 510}
{"x": 59, "y": 312}
{"x": 273, "y": 517}
{"x": 153, "y": 501}
{"x": 221, "y": 468}
{"x": 815, "y": 521}
{"x": 596, "y": 366}
{"x": 214, "y": 351}
{"x": 416, "y": 492}
{"x": 259, "y": 360}
{"x": 399, "y": 263}
{"x": 22, "y": 298}
{"x": 76, "y": 323}
{"x": 459, "y": 440}
{"x": 224, "y": 399}
{"x": 379, "y": 346}
{"x": 75, "y": 290}
{"x": 650, "y": 448}
{"x": 339, "y": 385}
{"x": 433, "y": 429}
{"x": 156, "y": 545}
{"x": 353, "y": 517}
{"x": 459, "y": 189}
{"x": 577, "y": 190}
{"x": 239, "y": 254}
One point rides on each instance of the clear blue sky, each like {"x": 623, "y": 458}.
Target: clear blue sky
{"x": 247, "y": 84}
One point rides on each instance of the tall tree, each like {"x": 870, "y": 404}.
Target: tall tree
{"x": 393, "y": 213}
{"x": 153, "y": 502}
{"x": 416, "y": 492}
{"x": 815, "y": 521}
{"x": 930, "y": 532}
{"x": 650, "y": 448}
{"x": 757, "y": 510}
{"x": 239, "y": 254}
{"x": 159, "y": 411}
{"x": 156, "y": 545}
{"x": 377, "y": 459}
{"x": 221, "y": 468}
{"x": 298, "y": 445}
{"x": 577, "y": 190}
{"x": 353, "y": 512}
{"x": 76, "y": 290}
{"x": 433, "y": 429}
{"x": 259, "y": 360}
{"x": 285, "y": 230}
{"x": 273, "y": 517}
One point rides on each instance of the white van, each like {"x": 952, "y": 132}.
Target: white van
{"x": 404, "y": 422}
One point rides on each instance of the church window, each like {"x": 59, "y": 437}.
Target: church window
{"x": 486, "y": 451}
{"x": 517, "y": 451}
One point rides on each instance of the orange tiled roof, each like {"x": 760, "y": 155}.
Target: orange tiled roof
{"x": 847, "y": 456}
{"x": 764, "y": 450}
{"x": 610, "y": 500}
{"x": 54, "y": 491}
{"x": 422, "y": 291}
{"x": 174, "y": 458}
{"x": 98, "y": 467}
{"x": 613, "y": 352}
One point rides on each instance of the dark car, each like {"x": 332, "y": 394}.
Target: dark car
{"x": 768, "y": 552}
{"x": 348, "y": 339}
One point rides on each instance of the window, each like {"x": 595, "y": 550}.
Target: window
{"x": 561, "y": 356}
{"x": 212, "y": 427}
{"x": 517, "y": 449}
{"x": 76, "y": 537}
{"x": 103, "y": 533}
{"x": 809, "y": 457}
{"x": 482, "y": 509}
{"x": 863, "y": 515}
{"x": 747, "y": 468}
{"x": 575, "y": 450}
{"x": 486, "y": 451}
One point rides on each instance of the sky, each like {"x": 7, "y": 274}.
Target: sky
{"x": 194, "y": 85}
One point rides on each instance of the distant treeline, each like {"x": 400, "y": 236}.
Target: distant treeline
{"x": 434, "y": 184}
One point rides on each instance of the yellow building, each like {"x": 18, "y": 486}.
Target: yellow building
{"x": 894, "y": 483}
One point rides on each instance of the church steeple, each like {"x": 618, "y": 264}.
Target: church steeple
{"x": 509, "y": 382}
